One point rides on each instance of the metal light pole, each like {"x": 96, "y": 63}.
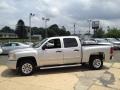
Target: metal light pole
{"x": 30, "y": 15}
{"x": 74, "y": 28}
{"x": 89, "y": 21}
{"x": 46, "y": 20}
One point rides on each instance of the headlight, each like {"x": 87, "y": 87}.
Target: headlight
{"x": 12, "y": 56}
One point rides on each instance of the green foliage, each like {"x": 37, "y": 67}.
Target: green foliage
{"x": 58, "y": 31}
{"x": 99, "y": 33}
{"x": 113, "y": 33}
{"x": 6, "y": 29}
{"x": 38, "y": 31}
{"x": 52, "y": 31}
{"x": 20, "y": 29}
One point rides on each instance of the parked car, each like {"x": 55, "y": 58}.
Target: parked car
{"x": 57, "y": 51}
{"x": 88, "y": 42}
{"x": 7, "y": 47}
{"x": 118, "y": 39}
{"x": 115, "y": 42}
{"x": 29, "y": 43}
{"x": 102, "y": 41}
{"x": 1, "y": 50}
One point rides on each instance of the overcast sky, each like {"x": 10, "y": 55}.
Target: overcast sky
{"x": 61, "y": 12}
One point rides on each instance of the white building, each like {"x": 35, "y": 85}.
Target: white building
{"x": 8, "y": 35}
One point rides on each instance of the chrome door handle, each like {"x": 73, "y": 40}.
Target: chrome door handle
{"x": 58, "y": 51}
{"x": 76, "y": 50}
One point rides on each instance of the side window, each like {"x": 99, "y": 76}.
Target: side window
{"x": 54, "y": 43}
{"x": 70, "y": 42}
{"x": 13, "y": 45}
{"x": 7, "y": 45}
{"x": 16, "y": 44}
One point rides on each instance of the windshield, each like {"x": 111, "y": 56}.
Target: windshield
{"x": 38, "y": 44}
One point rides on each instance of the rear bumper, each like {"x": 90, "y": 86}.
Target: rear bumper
{"x": 11, "y": 64}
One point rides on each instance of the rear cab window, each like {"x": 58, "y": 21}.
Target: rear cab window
{"x": 70, "y": 42}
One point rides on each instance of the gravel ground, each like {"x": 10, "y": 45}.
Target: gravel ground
{"x": 116, "y": 56}
{"x": 3, "y": 59}
{"x": 78, "y": 78}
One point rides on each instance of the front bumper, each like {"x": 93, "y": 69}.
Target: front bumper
{"x": 11, "y": 64}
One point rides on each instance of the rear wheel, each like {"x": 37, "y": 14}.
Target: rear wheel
{"x": 26, "y": 68}
{"x": 84, "y": 64}
{"x": 96, "y": 63}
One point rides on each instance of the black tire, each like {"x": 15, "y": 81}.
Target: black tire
{"x": 95, "y": 63}
{"x": 84, "y": 64}
{"x": 26, "y": 68}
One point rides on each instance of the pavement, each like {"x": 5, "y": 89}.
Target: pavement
{"x": 72, "y": 78}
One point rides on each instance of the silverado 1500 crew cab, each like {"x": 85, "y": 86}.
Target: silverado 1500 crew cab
{"x": 54, "y": 51}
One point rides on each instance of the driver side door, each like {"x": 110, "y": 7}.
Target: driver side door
{"x": 52, "y": 53}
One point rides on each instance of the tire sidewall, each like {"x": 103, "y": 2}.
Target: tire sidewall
{"x": 92, "y": 65}
{"x": 20, "y": 68}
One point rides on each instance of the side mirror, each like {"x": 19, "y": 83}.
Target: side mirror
{"x": 44, "y": 47}
{"x": 49, "y": 45}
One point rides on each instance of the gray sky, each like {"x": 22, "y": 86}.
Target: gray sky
{"x": 61, "y": 12}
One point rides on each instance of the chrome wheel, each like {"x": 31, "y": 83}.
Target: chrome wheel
{"x": 27, "y": 68}
{"x": 97, "y": 63}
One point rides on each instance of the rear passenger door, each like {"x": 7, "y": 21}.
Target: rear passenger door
{"x": 72, "y": 51}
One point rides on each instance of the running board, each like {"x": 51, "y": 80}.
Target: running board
{"x": 60, "y": 66}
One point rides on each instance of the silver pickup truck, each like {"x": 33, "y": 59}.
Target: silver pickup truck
{"x": 58, "y": 51}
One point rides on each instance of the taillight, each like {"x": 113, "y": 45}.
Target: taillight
{"x": 111, "y": 53}
{"x": 111, "y": 50}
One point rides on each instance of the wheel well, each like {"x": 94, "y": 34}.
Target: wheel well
{"x": 99, "y": 55}
{"x": 28, "y": 59}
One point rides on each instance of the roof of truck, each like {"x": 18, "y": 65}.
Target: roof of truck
{"x": 64, "y": 37}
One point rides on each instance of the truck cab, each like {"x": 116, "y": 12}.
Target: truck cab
{"x": 60, "y": 51}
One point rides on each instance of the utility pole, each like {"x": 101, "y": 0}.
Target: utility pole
{"x": 79, "y": 34}
{"x": 89, "y": 21}
{"x": 30, "y": 15}
{"x": 46, "y": 20}
{"x": 74, "y": 28}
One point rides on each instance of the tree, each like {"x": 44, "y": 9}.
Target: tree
{"x": 99, "y": 33}
{"x": 7, "y": 29}
{"x": 56, "y": 31}
{"x": 35, "y": 30}
{"x": 20, "y": 29}
{"x": 52, "y": 31}
{"x": 113, "y": 33}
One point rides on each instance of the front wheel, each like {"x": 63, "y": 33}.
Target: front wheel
{"x": 26, "y": 68}
{"x": 96, "y": 63}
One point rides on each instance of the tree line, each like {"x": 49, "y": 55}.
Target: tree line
{"x": 54, "y": 30}
{"x": 22, "y": 31}
{"x": 111, "y": 33}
